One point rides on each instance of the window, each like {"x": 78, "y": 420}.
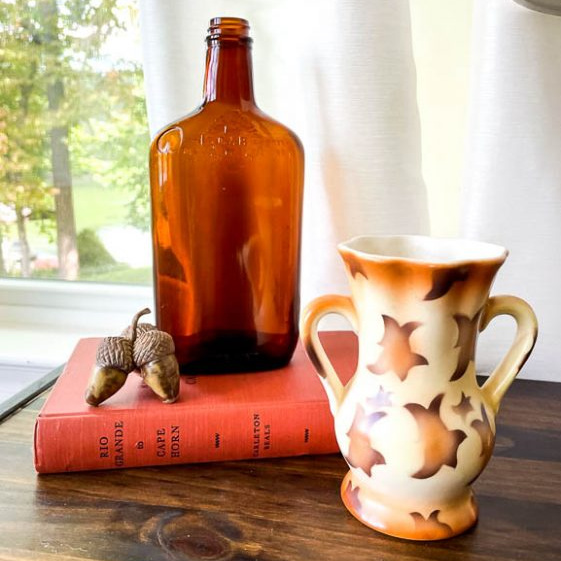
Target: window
{"x": 73, "y": 142}
{"x": 73, "y": 179}
{"x": 73, "y": 157}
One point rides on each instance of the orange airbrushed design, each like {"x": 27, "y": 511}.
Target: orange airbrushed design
{"x": 361, "y": 454}
{"x": 397, "y": 354}
{"x": 464, "y": 407}
{"x": 413, "y": 424}
{"x": 467, "y": 336}
{"x": 410, "y": 525}
{"x": 426, "y": 528}
{"x": 440, "y": 444}
{"x": 486, "y": 433}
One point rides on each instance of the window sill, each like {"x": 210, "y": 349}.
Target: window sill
{"x": 41, "y": 321}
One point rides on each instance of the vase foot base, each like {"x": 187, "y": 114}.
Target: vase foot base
{"x": 442, "y": 521}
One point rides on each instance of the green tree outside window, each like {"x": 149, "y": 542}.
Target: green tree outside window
{"x": 73, "y": 135}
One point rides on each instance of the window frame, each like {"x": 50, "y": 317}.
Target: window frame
{"x": 72, "y": 309}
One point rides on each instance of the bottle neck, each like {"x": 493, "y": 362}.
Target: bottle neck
{"x": 229, "y": 73}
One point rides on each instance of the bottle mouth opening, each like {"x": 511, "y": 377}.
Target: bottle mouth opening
{"x": 228, "y": 29}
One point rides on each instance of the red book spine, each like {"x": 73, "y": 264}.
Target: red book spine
{"x": 125, "y": 439}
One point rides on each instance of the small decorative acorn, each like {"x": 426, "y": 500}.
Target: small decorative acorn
{"x": 153, "y": 353}
{"x": 140, "y": 328}
{"x": 114, "y": 362}
{"x": 140, "y": 346}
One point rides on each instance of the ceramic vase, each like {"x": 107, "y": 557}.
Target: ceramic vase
{"x": 413, "y": 424}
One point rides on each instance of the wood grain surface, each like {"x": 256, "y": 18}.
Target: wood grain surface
{"x": 272, "y": 510}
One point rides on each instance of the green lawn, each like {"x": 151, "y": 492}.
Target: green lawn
{"x": 96, "y": 206}
{"x": 120, "y": 274}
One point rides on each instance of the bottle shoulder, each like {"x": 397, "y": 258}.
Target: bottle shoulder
{"x": 218, "y": 120}
{"x": 277, "y": 129}
{"x": 181, "y": 124}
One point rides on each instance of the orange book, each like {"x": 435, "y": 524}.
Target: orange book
{"x": 217, "y": 417}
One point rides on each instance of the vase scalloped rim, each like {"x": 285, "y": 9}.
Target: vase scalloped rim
{"x": 426, "y": 250}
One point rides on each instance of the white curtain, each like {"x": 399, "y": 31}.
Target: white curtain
{"x": 339, "y": 73}
{"x": 512, "y": 189}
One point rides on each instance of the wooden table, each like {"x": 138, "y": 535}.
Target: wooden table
{"x": 285, "y": 509}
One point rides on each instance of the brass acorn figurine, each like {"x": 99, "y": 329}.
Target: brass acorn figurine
{"x": 113, "y": 364}
{"x": 140, "y": 327}
{"x": 153, "y": 353}
{"x": 140, "y": 346}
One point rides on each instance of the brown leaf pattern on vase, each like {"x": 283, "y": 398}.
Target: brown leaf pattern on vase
{"x": 483, "y": 428}
{"x": 352, "y": 497}
{"x": 361, "y": 454}
{"x": 467, "y": 336}
{"x": 464, "y": 407}
{"x": 355, "y": 266}
{"x": 397, "y": 355}
{"x": 440, "y": 443}
{"x": 431, "y": 526}
{"x": 443, "y": 280}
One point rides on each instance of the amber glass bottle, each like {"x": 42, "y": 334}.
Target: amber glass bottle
{"x": 226, "y": 189}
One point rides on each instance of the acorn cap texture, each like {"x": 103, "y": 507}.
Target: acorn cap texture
{"x": 116, "y": 352}
{"x": 152, "y": 345}
{"x": 141, "y": 328}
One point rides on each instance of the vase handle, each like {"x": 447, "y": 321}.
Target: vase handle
{"x": 311, "y": 315}
{"x": 526, "y": 333}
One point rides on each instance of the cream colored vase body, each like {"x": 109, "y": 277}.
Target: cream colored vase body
{"x": 413, "y": 424}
